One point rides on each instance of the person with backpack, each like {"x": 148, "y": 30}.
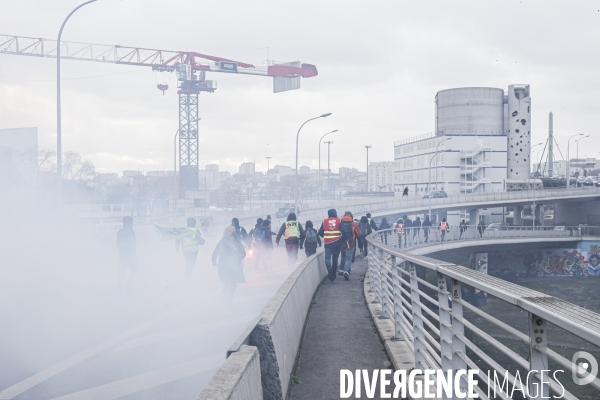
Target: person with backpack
{"x": 262, "y": 244}
{"x": 351, "y": 233}
{"x": 293, "y": 234}
{"x": 462, "y": 227}
{"x": 400, "y": 231}
{"x": 332, "y": 236}
{"x": 254, "y": 231}
{"x": 365, "y": 230}
{"x": 382, "y": 227}
{"x": 241, "y": 232}
{"x": 189, "y": 240}
{"x": 312, "y": 240}
{"x": 426, "y": 228}
{"x": 444, "y": 227}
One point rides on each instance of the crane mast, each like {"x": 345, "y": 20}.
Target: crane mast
{"x": 190, "y": 69}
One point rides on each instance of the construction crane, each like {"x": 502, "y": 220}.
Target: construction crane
{"x": 190, "y": 69}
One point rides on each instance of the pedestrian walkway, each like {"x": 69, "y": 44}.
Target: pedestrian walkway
{"x": 339, "y": 335}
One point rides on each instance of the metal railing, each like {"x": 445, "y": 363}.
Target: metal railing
{"x": 446, "y": 330}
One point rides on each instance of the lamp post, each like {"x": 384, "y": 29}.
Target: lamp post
{"x": 429, "y": 180}
{"x": 297, "y": 136}
{"x": 569, "y": 160}
{"x": 59, "y": 194}
{"x": 320, "y": 140}
{"x": 577, "y": 141}
{"x": 268, "y": 178}
{"x": 328, "y": 170}
{"x": 368, "y": 147}
{"x": 436, "y": 149}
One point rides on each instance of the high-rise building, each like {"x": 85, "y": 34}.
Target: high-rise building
{"x": 247, "y": 168}
{"x": 381, "y": 176}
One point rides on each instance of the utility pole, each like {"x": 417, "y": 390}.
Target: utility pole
{"x": 368, "y": 147}
{"x": 328, "y": 170}
{"x": 268, "y": 177}
{"x": 320, "y": 140}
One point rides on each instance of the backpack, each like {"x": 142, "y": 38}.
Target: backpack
{"x": 346, "y": 229}
{"x": 364, "y": 229}
{"x": 311, "y": 236}
{"x": 260, "y": 235}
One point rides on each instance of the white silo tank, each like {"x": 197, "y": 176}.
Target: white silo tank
{"x": 470, "y": 111}
{"x": 519, "y": 133}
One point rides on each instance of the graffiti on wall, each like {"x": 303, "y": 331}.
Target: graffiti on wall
{"x": 546, "y": 262}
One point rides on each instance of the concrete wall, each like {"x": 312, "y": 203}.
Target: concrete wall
{"x": 276, "y": 338}
{"x": 237, "y": 379}
{"x": 279, "y": 331}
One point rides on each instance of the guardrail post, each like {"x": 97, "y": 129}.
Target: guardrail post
{"x": 538, "y": 359}
{"x": 370, "y": 269}
{"x": 377, "y": 272}
{"x": 397, "y": 294}
{"x": 445, "y": 326}
{"x": 417, "y": 320}
{"x": 458, "y": 328}
{"x": 385, "y": 298}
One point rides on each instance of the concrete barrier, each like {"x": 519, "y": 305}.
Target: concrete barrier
{"x": 237, "y": 379}
{"x": 276, "y": 337}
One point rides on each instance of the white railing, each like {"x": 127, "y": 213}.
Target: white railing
{"x": 444, "y": 330}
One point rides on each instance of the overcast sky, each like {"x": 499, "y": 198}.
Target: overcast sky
{"x": 380, "y": 65}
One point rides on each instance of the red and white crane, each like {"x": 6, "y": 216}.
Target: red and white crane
{"x": 190, "y": 68}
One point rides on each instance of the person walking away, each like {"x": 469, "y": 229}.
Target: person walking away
{"x": 462, "y": 228}
{"x": 444, "y": 227}
{"x": 228, "y": 256}
{"x": 311, "y": 239}
{"x": 358, "y": 242}
{"x": 400, "y": 231}
{"x": 189, "y": 240}
{"x": 332, "y": 238}
{"x": 426, "y": 228}
{"x": 407, "y": 228}
{"x": 481, "y": 228}
{"x": 382, "y": 226}
{"x": 241, "y": 233}
{"x": 372, "y": 223}
{"x": 365, "y": 230}
{"x": 293, "y": 235}
{"x": 405, "y": 192}
{"x": 416, "y": 228}
{"x": 127, "y": 250}
{"x": 264, "y": 245}
{"x": 252, "y": 234}
{"x": 350, "y": 232}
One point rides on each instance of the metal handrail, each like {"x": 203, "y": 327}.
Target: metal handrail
{"x": 436, "y": 331}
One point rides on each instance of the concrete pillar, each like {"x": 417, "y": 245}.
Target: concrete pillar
{"x": 479, "y": 262}
{"x": 517, "y": 221}
{"x": 474, "y": 217}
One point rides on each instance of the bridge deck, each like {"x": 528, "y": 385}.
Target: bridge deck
{"x": 339, "y": 335}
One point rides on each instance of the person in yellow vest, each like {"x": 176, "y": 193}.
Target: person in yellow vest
{"x": 189, "y": 240}
{"x": 293, "y": 234}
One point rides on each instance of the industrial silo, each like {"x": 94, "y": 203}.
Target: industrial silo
{"x": 470, "y": 111}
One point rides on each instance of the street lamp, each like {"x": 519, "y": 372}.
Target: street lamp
{"x": 569, "y": 160}
{"x": 577, "y": 141}
{"x": 328, "y": 170}
{"x": 320, "y": 140}
{"x": 429, "y": 180}
{"x": 297, "y": 136}
{"x": 59, "y": 112}
{"x": 436, "y": 149}
{"x": 368, "y": 147}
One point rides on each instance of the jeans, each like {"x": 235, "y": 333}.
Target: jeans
{"x": 292, "y": 252}
{"x": 332, "y": 254}
{"x": 349, "y": 253}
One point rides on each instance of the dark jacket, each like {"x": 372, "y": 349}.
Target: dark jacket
{"x": 126, "y": 243}
{"x": 311, "y": 245}
{"x": 384, "y": 224}
{"x": 228, "y": 256}
{"x": 373, "y": 224}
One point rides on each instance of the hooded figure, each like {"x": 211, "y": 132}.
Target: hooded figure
{"x": 365, "y": 230}
{"x": 352, "y": 233}
{"x": 294, "y": 234}
{"x": 332, "y": 235}
{"x": 311, "y": 240}
{"x": 241, "y": 233}
{"x": 228, "y": 256}
{"x": 263, "y": 244}
{"x": 382, "y": 226}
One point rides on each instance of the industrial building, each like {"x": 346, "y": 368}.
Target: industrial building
{"x": 481, "y": 143}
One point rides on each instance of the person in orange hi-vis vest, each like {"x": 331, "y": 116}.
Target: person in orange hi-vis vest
{"x": 444, "y": 227}
{"x": 332, "y": 236}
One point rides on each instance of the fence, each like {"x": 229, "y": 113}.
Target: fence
{"x": 439, "y": 322}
